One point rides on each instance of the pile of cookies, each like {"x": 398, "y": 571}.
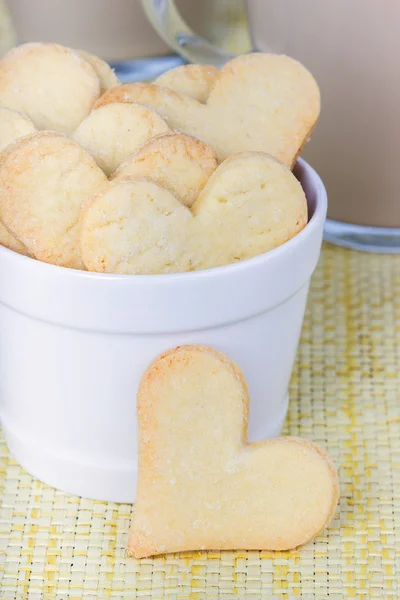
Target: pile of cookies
{"x": 190, "y": 172}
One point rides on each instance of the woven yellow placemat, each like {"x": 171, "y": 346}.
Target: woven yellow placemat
{"x": 344, "y": 395}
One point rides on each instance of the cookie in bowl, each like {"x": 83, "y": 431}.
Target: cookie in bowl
{"x": 258, "y": 102}
{"x": 250, "y": 204}
{"x": 46, "y": 180}
{"x": 54, "y": 86}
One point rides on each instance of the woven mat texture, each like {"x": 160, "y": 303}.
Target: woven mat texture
{"x": 344, "y": 395}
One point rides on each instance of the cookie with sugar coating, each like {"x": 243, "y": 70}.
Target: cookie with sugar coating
{"x": 113, "y": 132}
{"x": 13, "y": 125}
{"x": 218, "y": 491}
{"x": 194, "y": 81}
{"x": 106, "y": 75}
{"x": 53, "y": 85}
{"x": 176, "y": 161}
{"x": 250, "y": 204}
{"x": 136, "y": 227}
{"x": 258, "y": 102}
{"x": 46, "y": 180}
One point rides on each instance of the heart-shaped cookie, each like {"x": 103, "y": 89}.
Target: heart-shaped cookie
{"x": 251, "y": 204}
{"x": 263, "y": 102}
{"x": 54, "y": 86}
{"x": 178, "y": 162}
{"x": 201, "y": 485}
{"x": 114, "y": 131}
{"x": 46, "y": 180}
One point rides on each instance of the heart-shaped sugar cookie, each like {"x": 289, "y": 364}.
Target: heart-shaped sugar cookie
{"x": 45, "y": 182}
{"x": 114, "y": 131}
{"x": 54, "y": 86}
{"x": 178, "y": 162}
{"x": 201, "y": 486}
{"x": 251, "y": 204}
{"x": 259, "y": 102}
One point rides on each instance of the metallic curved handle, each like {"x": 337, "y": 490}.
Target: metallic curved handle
{"x": 165, "y": 18}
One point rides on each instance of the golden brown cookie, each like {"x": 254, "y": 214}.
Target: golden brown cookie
{"x": 251, "y": 204}
{"x": 136, "y": 227}
{"x": 259, "y": 102}
{"x": 201, "y": 485}
{"x": 178, "y": 162}
{"x": 113, "y": 132}
{"x": 53, "y": 85}
{"x": 45, "y": 182}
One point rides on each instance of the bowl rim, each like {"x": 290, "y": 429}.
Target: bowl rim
{"x": 319, "y": 214}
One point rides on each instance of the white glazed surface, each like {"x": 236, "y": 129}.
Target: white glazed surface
{"x": 73, "y": 346}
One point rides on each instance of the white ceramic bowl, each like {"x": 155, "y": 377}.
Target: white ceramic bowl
{"x": 73, "y": 346}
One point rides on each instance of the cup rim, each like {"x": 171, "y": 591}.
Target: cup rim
{"x": 314, "y": 222}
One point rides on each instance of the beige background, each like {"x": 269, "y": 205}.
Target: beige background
{"x": 227, "y": 27}
{"x": 6, "y": 32}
